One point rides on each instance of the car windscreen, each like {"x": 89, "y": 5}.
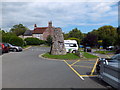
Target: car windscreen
{"x": 117, "y": 57}
{"x": 70, "y": 45}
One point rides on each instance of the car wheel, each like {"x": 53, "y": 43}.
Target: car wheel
{"x": 14, "y": 50}
{"x": 74, "y": 51}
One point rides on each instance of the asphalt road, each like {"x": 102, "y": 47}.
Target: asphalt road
{"x": 27, "y": 70}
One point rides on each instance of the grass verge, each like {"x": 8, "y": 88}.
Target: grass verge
{"x": 68, "y": 56}
{"x": 89, "y": 56}
{"x": 104, "y": 52}
{"x": 25, "y": 46}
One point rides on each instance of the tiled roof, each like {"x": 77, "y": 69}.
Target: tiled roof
{"x": 39, "y": 30}
{"x": 28, "y": 33}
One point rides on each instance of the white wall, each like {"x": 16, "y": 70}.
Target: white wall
{"x": 39, "y": 36}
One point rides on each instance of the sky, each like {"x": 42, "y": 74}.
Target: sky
{"x": 85, "y": 16}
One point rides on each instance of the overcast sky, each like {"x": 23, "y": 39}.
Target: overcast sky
{"x": 85, "y": 16}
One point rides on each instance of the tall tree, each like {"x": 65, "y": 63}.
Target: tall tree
{"x": 75, "y": 33}
{"x": 90, "y": 40}
{"x": 18, "y": 29}
{"x": 107, "y": 34}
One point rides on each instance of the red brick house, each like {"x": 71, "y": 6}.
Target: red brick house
{"x": 40, "y": 32}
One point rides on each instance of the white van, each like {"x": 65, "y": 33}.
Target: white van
{"x": 71, "y": 45}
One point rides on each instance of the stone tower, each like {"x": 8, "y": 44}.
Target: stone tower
{"x": 48, "y": 31}
{"x": 58, "y": 47}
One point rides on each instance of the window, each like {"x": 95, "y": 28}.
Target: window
{"x": 70, "y": 45}
{"x": 66, "y": 44}
{"x": 73, "y": 45}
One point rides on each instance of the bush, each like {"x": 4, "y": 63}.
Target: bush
{"x": 78, "y": 41}
{"x": 14, "y": 40}
{"x": 33, "y": 41}
{"x": 49, "y": 40}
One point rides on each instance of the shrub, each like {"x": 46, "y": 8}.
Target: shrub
{"x": 78, "y": 41}
{"x": 49, "y": 40}
{"x": 33, "y": 41}
{"x": 14, "y": 40}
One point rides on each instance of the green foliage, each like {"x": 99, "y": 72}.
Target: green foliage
{"x": 89, "y": 56}
{"x": 68, "y": 56}
{"x": 90, "y": 40}
{"x": 78, "y": 41}
{"x": 104, "y": 52}
{"x": 105, "y": 33}
{"x": 18, "y": 29}
{"x": 76, "y": 34}
{"x": 33, "y": 41}
{"x": 49, "y": 40}
{"x": 14, "y": 40}
{"x": 117, "y": 41}
{"x": 65, "y": 36}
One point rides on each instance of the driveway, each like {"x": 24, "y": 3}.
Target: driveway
{"x": 27, "y": 70}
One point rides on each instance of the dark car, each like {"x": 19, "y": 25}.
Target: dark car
{"x": 110, "y": 48}
{"x": 114, "y": 58}
{"x": 4, "y": 47}
{"x": 14, "y": 48}
{"x": 88, "y": 49}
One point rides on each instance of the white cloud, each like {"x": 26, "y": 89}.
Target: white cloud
{"x": 60, "y": 0}
{"x": 62, "y": 14}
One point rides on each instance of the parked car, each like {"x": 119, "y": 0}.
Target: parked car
{"x": 110, "y": 48}
{"x": 4, "y": 47}
{"x": 14, "y": 48}
{"x": 106, "y": 60}
{"x": 88, "y": 49}
{"x": 108, "y": 70}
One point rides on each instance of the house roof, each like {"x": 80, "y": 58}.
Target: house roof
{"x": 28, "y": 33}
{"x": 39, "y": 30}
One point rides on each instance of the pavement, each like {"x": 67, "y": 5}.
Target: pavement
{"x": 27, "y": 70}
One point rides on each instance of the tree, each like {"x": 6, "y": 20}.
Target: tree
{"x": 65, "y": 35}
{"x": 14, "y": 40}
{"x": 76, "y": 34}
{"x": 49, "y": 40}
{"x": 90, "y": 40}
{"x": 107, "y": 34}
{"x": 117, "y": 38}
{"x": 78, "y": 41}
{"x": 18, "y": 29}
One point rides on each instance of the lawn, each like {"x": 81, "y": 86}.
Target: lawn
{"x": 104, "y": 52}
{"x": 25, "y": 46}
{"x": 68, "y": 56}
{"x": 89, "y": 56}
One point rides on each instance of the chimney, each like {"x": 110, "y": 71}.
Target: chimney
{"x": 35, "y": 26}
{"x": 50, "y": 24}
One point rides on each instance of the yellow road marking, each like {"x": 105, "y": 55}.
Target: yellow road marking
{"x": 88, "y": 75}
{"x": 94, "y": 67}
{"x": 107, "y": 56}
{"x": 75, "y": 62}
{"x": 74, "y": 70}
{"x": 82, "y": 66}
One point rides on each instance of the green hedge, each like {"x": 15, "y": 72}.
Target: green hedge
{"x": 34, "y": 41}
{"x": 78, "y": 41}
{"x": 14, "y": 40}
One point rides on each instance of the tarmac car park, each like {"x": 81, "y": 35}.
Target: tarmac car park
{"x": 31, "y": 71}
